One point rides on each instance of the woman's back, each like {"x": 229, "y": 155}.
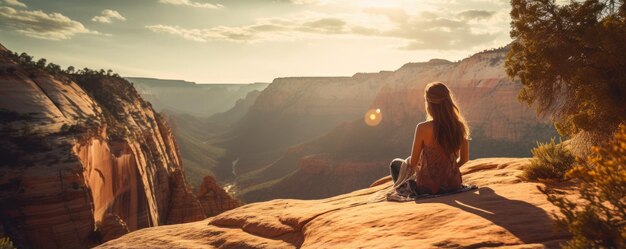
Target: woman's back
{"x": 437, "y": 171}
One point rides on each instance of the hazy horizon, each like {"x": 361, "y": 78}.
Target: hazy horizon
{"x": 251, "y": 41}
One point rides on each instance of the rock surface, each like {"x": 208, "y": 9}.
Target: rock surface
{"x": 84, "y": 159}
{"x": 503, "y": 212}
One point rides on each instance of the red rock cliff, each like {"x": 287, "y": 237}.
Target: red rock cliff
{"x": 84, "y": 160}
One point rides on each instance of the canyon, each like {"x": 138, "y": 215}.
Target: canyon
{"x": 503, "y": 212}
{"x": 84, "y": 159}
{"x": 306, "y": 137}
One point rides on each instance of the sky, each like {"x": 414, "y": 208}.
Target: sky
{"x": 245, "y": 41}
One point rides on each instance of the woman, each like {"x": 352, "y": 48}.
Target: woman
{"x": 440, "y": 147}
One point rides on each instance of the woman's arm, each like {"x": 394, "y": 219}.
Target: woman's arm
{"x": 418, "y": 140}
{"x": 464, "y": 152}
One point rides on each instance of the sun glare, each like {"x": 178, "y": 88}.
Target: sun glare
{"x": 373, "y": 117}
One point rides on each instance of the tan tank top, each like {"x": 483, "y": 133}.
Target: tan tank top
{"x": 437, "y": 172}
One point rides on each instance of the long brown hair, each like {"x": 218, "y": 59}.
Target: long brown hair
{"x": 450, "y": 127}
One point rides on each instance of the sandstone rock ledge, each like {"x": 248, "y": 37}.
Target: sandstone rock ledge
{"x": 503, "y": 212}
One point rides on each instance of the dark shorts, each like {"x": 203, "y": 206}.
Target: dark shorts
{"x": 394, "y": 168}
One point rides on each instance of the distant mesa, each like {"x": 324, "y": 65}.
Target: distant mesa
{"x": 184, "y": 97}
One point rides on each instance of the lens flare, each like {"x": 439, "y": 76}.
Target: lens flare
{"x": 373, "y": 117}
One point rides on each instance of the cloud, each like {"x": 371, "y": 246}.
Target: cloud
{"x": 192, "y": 4}
{"x": 15, "y": 3}
{"x": 418, "y": 31}
{"x": 107, "y": 16}
{"x": 476, "y": 14}
{"x": 41, "y": 25}
{"x": 278, "y": 28}
{"x": 189, "y": 34}
{"x": 433, "y": 30}
{"x": 394, "y": 14}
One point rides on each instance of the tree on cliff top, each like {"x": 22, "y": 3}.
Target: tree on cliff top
{"x": 571, "y": 60}
{"x": 601, "y": 221}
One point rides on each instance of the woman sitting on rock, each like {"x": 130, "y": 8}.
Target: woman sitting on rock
{"x": 440, "y": 147}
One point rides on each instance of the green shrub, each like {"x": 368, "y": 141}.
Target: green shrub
{"x": 600, "y": 221}
{"x": 5, "y": 243}
{"x": 550, "y": 161}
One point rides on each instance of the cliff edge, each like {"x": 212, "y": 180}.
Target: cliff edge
{"x": 84, "y": 159}
{"x": 503, "y": 211}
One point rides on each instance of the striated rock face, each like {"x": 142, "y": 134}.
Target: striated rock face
{"x": 45, "y": 201}
{"x": 84, "y": 160}
{"x": 214, "y": 199}
{"x": 502, "y": 212}
{"x": 184, "y": 206}
{"x": 134, "y": 170}
{"x": 112, "y": 227}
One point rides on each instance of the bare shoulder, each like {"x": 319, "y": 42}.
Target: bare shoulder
{"x": 425, "y": 126}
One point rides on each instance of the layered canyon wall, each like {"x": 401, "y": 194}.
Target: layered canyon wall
{"x": 85, "y": 159}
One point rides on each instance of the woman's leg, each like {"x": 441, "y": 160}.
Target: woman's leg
{"x": 394, "y": 168}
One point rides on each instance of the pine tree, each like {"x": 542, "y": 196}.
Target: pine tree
{"x": 571, "y": 61}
